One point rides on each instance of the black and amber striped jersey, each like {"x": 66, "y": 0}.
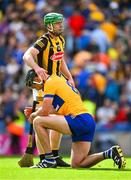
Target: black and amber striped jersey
{"x": 51, "y": 52}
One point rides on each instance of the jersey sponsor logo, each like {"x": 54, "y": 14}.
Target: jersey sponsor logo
{"x": 57, "y": 56}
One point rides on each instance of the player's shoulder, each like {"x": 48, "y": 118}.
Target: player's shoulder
{"x": 41, "y": 42}
{"x": 43, "y": 38}
{"x": 52, "y": 82}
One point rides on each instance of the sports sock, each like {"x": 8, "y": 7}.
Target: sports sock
{"x": 42, "y": 156}
{"x": 55, "y": 153}
{"x": 107, "y": 154}
{"x": 49, "y": 157}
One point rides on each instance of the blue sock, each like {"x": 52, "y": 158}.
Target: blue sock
{"x": 107, "y": 154}
{"x": 49, "y": 157}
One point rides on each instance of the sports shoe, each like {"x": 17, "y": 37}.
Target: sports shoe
{"x": 45, "y": 164}
{"x": 60, "y": 162}
{"x": 118, "y": 157}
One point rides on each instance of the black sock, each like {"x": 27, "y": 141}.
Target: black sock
{"x": 42, "y": 156}
{"x": 55, "y": 153}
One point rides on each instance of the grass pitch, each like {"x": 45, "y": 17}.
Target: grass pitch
{"x": 9, "y": 170}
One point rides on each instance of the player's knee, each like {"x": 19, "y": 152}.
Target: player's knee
{"x": 75, "y": 163}
{"x": 36, "y": 122}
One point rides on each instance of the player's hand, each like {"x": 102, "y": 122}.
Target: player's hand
{"x": 28, "y": 111}
{"x": 32, "y": 117}
{"x": 42, "y": 73}
{"x": 71, "y": 81}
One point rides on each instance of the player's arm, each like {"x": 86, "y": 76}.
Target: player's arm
{"x": 44, "y": 110}
{"x": 31, "y": 54}
{"x": 47, "y": 107}
{"x": 64, "y": 69}
{"x": 29, "y": 57}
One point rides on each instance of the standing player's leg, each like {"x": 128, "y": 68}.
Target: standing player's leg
{"x": 55, "y": 140}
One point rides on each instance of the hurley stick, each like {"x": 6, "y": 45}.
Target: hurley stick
{"x": 27, "y": 158}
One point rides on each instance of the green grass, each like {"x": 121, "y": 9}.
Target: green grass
{"x": 102, "y": 171}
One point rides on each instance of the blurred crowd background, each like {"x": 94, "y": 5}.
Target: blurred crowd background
{"x": 97, "y": 52}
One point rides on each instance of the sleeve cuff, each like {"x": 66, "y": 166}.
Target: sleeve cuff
{"x": 49, "y": 96}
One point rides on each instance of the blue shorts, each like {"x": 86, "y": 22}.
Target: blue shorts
{"x": 82, "y": 127}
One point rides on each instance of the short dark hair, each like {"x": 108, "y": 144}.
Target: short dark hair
{"x": 31, "y": 74}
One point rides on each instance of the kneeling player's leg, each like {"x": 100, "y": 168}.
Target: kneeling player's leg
{"x": 41, "y": 124}
{"x": 55, "y": 140}
{"x": 57, "y": 123}
{"x": 39, "y": 146}
{"x": 42, "y": 135}
{"x": 80, "y": 157}
{"x": 79, "y": 152}
{"x": 83, "y": 127}
{"x": 43, "y": 143}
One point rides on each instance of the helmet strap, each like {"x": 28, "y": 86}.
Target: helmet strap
{"x": 50, "y": 28}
